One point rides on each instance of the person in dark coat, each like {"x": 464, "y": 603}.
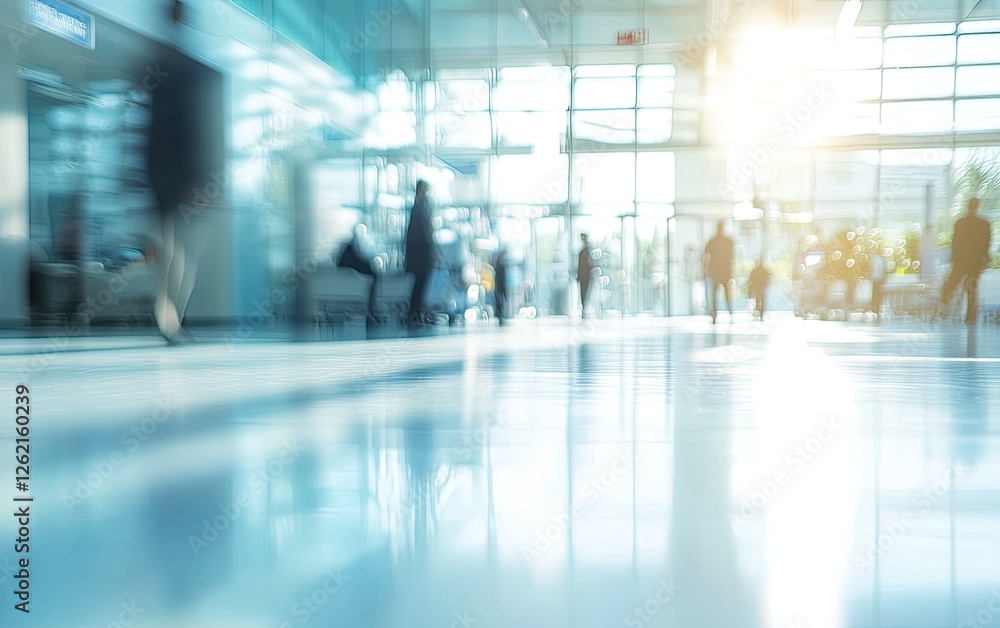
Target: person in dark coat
{"x": 584, "y": 271}
{"x": 500, "y": 281}
{"x": 719, "y": 267}
{"x": 759, "y": 279}
{"x": 69, "y": 250}
{"x": 187, "y": 169}
{"x": 970, "y": 254}
{"x": 419, "y": 251}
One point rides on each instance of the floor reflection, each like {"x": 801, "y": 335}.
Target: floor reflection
{"x": 792, "y": 474}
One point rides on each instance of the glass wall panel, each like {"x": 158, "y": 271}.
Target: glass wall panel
{"x": 530, "y": 179}
{"x": 255, "y": 7}
{"x": 915, "y": 30}
{"x": 654, "y": 209}
{"x": 787, "y": 177}
{"x": 542, "y": 130}
{"x": 979, "y": 80}
{"x": 619, "y": 70}
{"x": 604, "y": 93}
{"x": 463, "y": 130}
{"x": 604, "y": 177}
{"x": 847, "y": 176}
{"x": 977, "y": 115}
{"x": 654, "y": 177}
{"x": 533, "y": 89}
{"x": 903, "y": 52}
{"x": 302, "y": 22}
{"x": 463, "y": 95}
{"x": 860, "y": 119}
{"x": 656, "y": 91}
{"x": 918, "y": 83}
{"x": 854, "y": 85}
{"x": 903, "y": 181}
{"x": 916, "y": 117}
{"x": 984, "y": 48}
{"x": 656, "y": 69}
{"x": 979, "y": 26}
{"x": 616, "y": 126}
{"x": 391, "y": 129}
{"x": 655, "y": 126}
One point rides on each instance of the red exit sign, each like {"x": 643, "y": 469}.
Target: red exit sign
{"x": 636, "y": 37}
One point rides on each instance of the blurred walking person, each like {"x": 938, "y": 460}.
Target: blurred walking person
{"x": 970, "y": 254}
{"x": 759, "y": 280}
{"x": 584, "y": 272}
{"x": 719, "y": 268}
{"x": 420, "y": 252}
{"x": 186, "y": 169}
{"x": 878, "y": 275}
{"x": 69, "y": 251}
{"x": 500, "y": 284}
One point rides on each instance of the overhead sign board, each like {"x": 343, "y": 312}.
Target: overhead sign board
{"x": 635, "y": 37}
{"x": 63, "y": 20}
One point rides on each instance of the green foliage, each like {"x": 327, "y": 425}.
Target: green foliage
{"x": 849, "y": 253}
{"x": 979, "y": 177}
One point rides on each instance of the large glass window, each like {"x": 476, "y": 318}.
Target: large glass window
{"x": 655, "y": 126}
{"x": 656, "y": 86}
{"x": 978, "y": 80}
{"x": 905, "y": 52}
{"x": 604, "y": 178}
{"x": 462, "y": 130}
{"x": 860, "y": 119}
{"x": 654, "y": 181}
{"x": 540, "y": 88}
{"x": 463, "y": 95}
{"x": 853, "y": 85}
{"x": 848, "y": 176}
{"x": 542, "y": 130}
{"x": 615, "y": 126}
{"x": 977, "y": 115}
{"x": 979, "y": 48}
{"x": 918, "y": 83}
{"x": 929, "y": 116}
{"x": 604, "y": 93}
{"x": 530, "y": 179}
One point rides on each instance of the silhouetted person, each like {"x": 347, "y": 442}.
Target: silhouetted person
{"x": 500, "y": 284}
{"x": 186, "y": 168}
{"x": 970, "y": 254}
{"x": 878, "y": 275}
{"x": 584, "y": 271}
{"x": 759, "y": 280}
{"x": 419, "y": 251}
{"x": 353, "y": 256}
{"x": 719, "y": 265}
{"x": 69, "y": 250}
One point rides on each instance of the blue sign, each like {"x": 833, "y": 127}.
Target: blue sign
{"x": 63, "y": 20}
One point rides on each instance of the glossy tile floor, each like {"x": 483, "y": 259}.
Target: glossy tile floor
{"x": 641, "y": 473}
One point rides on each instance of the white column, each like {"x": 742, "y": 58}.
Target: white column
{"x": 13, "y": 173}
